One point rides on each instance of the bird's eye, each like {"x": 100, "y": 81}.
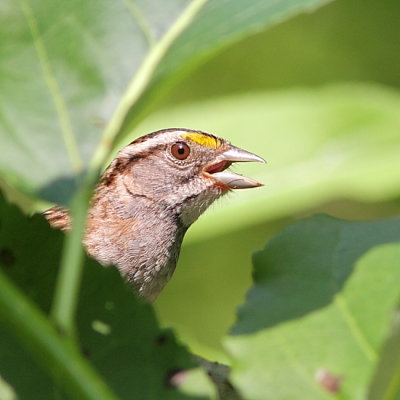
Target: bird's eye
{"x": 180, "y": 150}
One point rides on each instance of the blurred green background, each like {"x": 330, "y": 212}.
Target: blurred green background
{"x": 347, "y": 41}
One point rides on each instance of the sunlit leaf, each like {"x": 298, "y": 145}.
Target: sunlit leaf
{"x": 316, "y": 318}
{"x": 385, "y": 384}
{"x": 69, "y": 69}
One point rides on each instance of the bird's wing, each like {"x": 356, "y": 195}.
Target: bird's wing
{"x": 58, "y": 218}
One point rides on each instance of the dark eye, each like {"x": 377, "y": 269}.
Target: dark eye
{"x": 180, "y": 150}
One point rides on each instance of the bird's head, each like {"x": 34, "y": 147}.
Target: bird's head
{"x": 184, "y": 170}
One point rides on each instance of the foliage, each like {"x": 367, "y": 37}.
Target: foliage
{"x": 321, "y": 319}
{"x": 113, "y": 327}
{"x": 310, "y": 311}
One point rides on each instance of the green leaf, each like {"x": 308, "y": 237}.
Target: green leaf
{"x": 118, "y": 335}
{"x": 316, "y": 317}
{"x": 71, "y": 68}
{"x": 385, "y": 384}
{"x": 320, "y": 145}
{"x": 215, "y": 24}
{"x": 64, "y": 362}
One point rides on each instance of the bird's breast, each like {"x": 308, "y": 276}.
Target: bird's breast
{"x": 145, "y": 249}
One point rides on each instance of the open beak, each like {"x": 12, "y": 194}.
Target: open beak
{"x": 218, "y": 169}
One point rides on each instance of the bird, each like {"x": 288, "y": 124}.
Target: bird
{"x": 149, "y": 196}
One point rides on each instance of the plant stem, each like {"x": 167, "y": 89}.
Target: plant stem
{"x": 142, "y": 79}
{"x": 59, "y": 356}
{"x": 68, "y": 280}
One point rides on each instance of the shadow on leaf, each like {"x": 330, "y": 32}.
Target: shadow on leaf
{"x": 61, "y": 190}
{"x": 302, "y": 268}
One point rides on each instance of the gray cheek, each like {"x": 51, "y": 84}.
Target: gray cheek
{"x": 195, "y": 205}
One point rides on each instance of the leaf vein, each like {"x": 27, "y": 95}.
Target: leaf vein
{"x": 141, "y": 20}
{"x": 53, "y": 87}
{"x": 354, "y": 327}
{"x": 142, "y": 79}
{"x": 296, "y": 364}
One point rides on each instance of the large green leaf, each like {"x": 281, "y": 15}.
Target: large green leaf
{"x": 119, "y": 336}
{"x": 68, "y": 69}
{"x": 321, "y": 144}
{"x": 317, "y": 315}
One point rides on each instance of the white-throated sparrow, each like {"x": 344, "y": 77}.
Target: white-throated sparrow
{"x": 147, "y": 198}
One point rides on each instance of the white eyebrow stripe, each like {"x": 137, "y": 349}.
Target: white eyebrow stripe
{"x": 163, "y": 137}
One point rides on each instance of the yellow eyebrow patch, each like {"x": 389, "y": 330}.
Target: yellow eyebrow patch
{"x": 202, "y": 139}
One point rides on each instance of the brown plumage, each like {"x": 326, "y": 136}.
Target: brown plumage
{"x": 151, "y": 193}
{"x": 58, "y": 218}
